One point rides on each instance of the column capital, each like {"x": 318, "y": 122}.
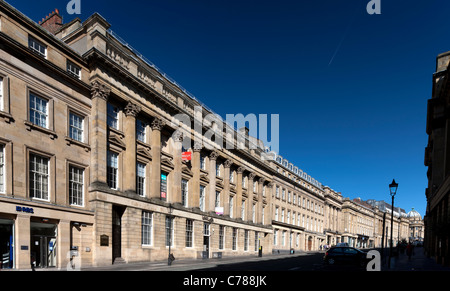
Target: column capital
{"x": 197, "y": 146}
{"x": 240, "y": 170}
{"x": 99, "y": 90}
{"x": 228, "y": 163}
{"x": 252, "y": 175}
{"x": 213, "y": 155}
{"x": 157, "y": 124}
{"x": 132, "y": 109}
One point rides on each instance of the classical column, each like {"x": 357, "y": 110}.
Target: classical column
{"x": 99, "y": 132}
{"x": 249, "y": 203}
{"x": 129, "y": 161}
{"x": 238, "y": 197}
{"x": 259, "y": 203}
{"x": 209, "y": 199}
{"x": 176, "y": 174}
{"x": 268, "y": 211}
{"x": 155, "y": 176}
{"x": 194, "y": 189}
{"x": 225, "y": 197}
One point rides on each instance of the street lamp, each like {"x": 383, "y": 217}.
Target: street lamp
{"x": 393, "y": 190}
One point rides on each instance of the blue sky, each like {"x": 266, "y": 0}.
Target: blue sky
{"x": 351, "y": 88}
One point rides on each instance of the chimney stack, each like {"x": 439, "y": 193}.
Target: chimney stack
{"x": 52, "y": 22}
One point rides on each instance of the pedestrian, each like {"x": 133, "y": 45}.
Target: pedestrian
{"x": 409, "y": 250}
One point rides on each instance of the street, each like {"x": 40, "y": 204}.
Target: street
{"x": 305, "y": 262}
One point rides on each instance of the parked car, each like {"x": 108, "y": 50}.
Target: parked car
{"x": 345, "y": 255}
{"x": 342, "y": 244}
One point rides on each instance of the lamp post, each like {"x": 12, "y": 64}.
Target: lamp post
{"x": 393, "y": 190}
{"x": 171, "y": 257}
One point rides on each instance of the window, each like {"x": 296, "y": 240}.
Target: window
{"x": 169, "y": 231}
{"x": 243, "y": 210}
{"x": 38, "y": 111}
{"x": 231, "y": 176}
{"x": 112, "y": 169}
{"x": 39, "y": 177}
{"x": 234, "y": 241}
{"x": 277, "y": 191}
{"x": 184, "y": 192}
{"x": 254, "y": 186}
{"x": 221, "y": 236}
{"x": 202, "y": 198}
{"x": 140, "y": 130}
{"x": 254, "y": 213}
{"x": 75, "y": 127}
{"x": 246, "y": 240}
{"x": 189, "y": 232}
{"x": 37, "y": 47}
{"x": 113, "y": 116}
{"x": 147, "y": 223}
{"x": 217, "y": 201}
{"x": 218, "y": 170}
{"x": 140, "y": 179}
{"x": 2, "y": 168}
{"x": 275, "y": 237}
{"x": 262, "y": 215}
{"x": 73, "y": 69}
{"x": 76, "y": 186}
{"x": 231, "y": 206}
{"x": 256, "y": 240}
{"x": 202, "y": 162}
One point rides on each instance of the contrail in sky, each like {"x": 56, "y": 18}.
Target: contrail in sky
{"x": 340, "y": 43}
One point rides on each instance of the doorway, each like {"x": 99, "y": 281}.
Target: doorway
{"x": 43, "y": 245}
{"x": 310, "y": 243}
{"x": 206, "y": 235}
{"x": 6, "y": 244}
{"x": 117, "y": 213}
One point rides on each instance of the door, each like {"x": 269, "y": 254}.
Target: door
{"x": 117, "y": 232}
{"x": 206, "y": 234}
{"x": 43, "y": 251}
{"x": 205, "y": 247}
{"x": 43, "y": 244}
{"x": 309, "y": 243}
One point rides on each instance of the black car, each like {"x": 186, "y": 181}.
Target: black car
{"x": 345, "y": 255}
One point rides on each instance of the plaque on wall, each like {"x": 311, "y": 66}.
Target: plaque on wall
{"x": 104, "y": 240}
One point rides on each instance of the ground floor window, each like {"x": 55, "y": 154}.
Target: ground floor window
{"x": 189, "y": 232}
{"x": 146, "y": 228}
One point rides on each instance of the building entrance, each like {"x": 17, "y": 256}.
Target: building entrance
{"x": 6, "y": 244}
{"x": 43, "y": 244}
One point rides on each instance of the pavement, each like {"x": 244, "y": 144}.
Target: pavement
{"x": 418, "y": 262}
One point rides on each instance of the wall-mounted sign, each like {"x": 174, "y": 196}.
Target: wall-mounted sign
{"x": 24, "y": 209}
{"x": 163, "y": 186}
{"x": 104, "y": 240}
{"x": 186, "y": 156}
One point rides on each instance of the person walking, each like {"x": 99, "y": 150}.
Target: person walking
{"x": 409, "y": 250}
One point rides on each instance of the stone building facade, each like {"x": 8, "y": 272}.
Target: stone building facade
{"x": 93, "y": 167}
{"x": 437, "y": 218}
